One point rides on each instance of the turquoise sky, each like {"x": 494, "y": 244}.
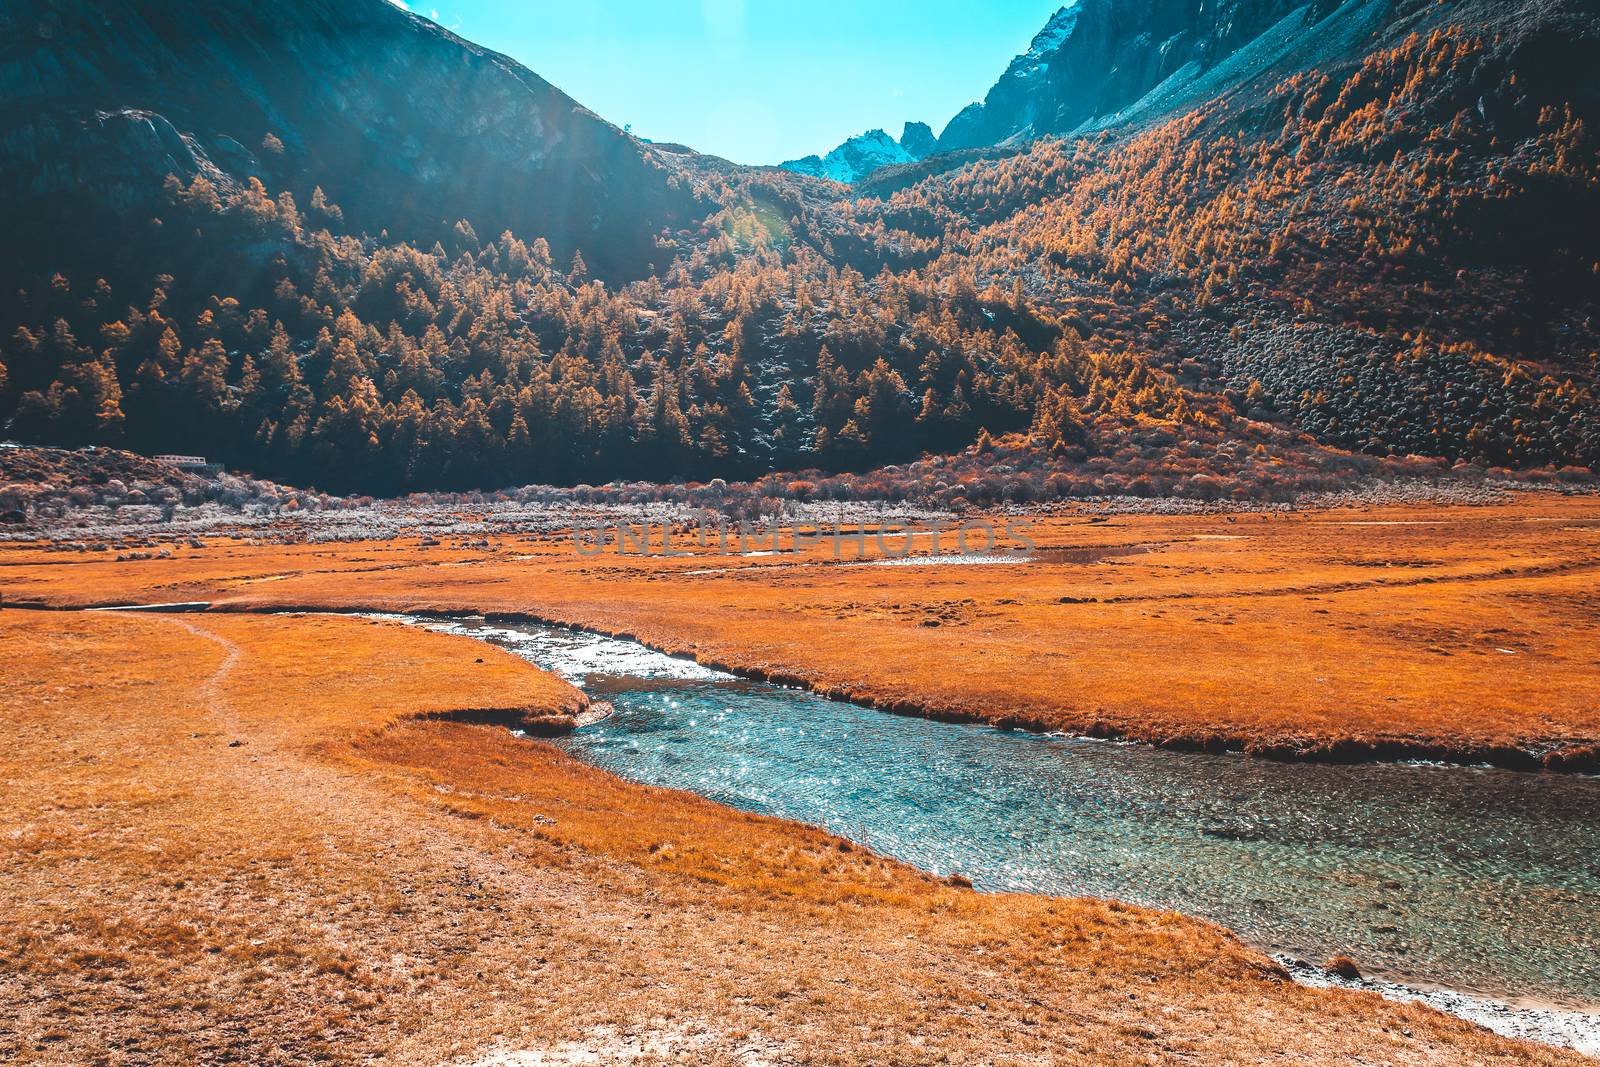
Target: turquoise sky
{"x": 757, "y": 81}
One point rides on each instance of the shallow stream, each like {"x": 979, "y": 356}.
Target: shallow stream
{"x": 1477, "y": 880}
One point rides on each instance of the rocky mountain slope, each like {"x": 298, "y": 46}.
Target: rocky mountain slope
{"x": 1099, "y": 64}
{"x": 408, "y": 127}
{"x": 1102, "y": 62}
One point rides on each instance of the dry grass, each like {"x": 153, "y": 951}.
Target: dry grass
{"x": 245, "y": 838}
{"x": 1433, "y": 631}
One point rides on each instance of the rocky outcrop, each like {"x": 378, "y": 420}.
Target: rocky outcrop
{"x": 918, "y": 140}
{"x": 406, "y": 126}
{"x": 118, "y": 157}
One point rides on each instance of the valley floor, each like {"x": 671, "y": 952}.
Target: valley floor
{"x": 270, "y": 839}
{"x": 1458, "y": 633}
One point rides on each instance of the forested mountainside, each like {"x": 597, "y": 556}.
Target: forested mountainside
{"x": 406, "y": 126}
{"x": 1396, "y": 253}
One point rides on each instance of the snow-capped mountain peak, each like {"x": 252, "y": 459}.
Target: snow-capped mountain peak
{"x": 865, "y": 153}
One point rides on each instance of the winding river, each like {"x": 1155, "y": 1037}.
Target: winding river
{"x": 1477, "y": 880}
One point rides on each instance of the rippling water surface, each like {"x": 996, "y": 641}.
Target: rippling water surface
{"x": 1481, "y": 880}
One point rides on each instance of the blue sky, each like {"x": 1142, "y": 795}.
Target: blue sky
{"x": 757, "y": 81}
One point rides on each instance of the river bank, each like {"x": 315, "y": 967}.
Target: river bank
{"x": 1534, "y": 1020}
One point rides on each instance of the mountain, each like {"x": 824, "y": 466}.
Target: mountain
{"x": 1355, "y": 242}
{"x": 865, "y": 153}
{"x": 1015, "y": 92}
{"x": 405, "y": 125}
{"x": 1098, "y": 63}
